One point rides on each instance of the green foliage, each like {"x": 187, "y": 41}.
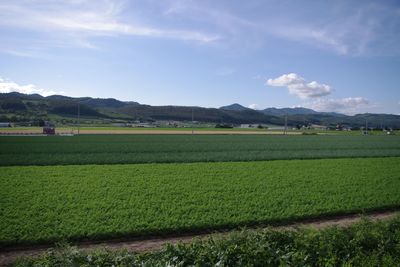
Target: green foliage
{"x": 224, "y": 125}
{"x": 41, "y": 204}
{"x": 351, "y": 246}
{"x": 71, "y": 109}
{"x": 112, "y": 149}
{"x": 13, "y": 104}
{"x": 309, "y": 133}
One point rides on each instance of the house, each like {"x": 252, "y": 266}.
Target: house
{"x": 318, "y": 127}
{"x": 248, "y": 126}
{"x": 143, "y": 125}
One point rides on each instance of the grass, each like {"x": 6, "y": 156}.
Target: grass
{"x": 115, "y": 149}
{"x": 363, "y": 244}
{"x": 42, "y": 204}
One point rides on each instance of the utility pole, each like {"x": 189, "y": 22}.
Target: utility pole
{"x": 366, "y": 126}
{"x": 285, "y": 123}
{"x": 192, "y": 120}
{"x": 79, "y": 117}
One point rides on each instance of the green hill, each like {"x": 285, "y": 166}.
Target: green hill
{"x": 17, "y": 107}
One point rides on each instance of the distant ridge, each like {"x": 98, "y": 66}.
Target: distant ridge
{"x": 17, "y": 107}
{"x": 288, "y": 111}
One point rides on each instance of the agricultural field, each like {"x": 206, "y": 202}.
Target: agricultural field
{"x": 44, "y": 204}
{"x": 87, "y": 129}
{"x": 117, "y": 149}
{"x": 127, "y": 129}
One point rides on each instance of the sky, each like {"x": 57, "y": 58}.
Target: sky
{"x": 341, "y": 56}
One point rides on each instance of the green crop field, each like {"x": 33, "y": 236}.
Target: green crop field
{"x": 114, "y": 149}
{"x": 42, "y": 204}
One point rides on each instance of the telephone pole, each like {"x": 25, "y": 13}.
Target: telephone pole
{"x": 192, "y": 120}
{"x": 79, "y": 117}
{"x": 285, "y": 123}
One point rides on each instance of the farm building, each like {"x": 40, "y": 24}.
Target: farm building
{"x": 248, "y": 125}
{"x": 49, "y": 130}
{"x": 5, "y": 124}
{"x": 319, "y": 127}
{"x": 143, "y": 125}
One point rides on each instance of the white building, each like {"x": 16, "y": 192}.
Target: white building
{"x": 5, "y": 124}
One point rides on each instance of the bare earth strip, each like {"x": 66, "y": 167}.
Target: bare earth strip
{"x": 10, "y": 255}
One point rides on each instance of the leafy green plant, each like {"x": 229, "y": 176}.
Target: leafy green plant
{"x": 44, "y": 204}
{"x": 266, "y": 247}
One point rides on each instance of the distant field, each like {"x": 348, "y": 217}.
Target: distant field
{"x": 114, "y": 149}
{"x": 49, "y": 203}
{"x": 128, "y": 130}
{"x": 186, "y": 130}
{"x": 112, "y": 128}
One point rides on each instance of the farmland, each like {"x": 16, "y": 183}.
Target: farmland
{"x": 112, "y": 149}
{"x": 42, "y": 204}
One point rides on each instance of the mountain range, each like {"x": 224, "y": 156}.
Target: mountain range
{"x": 17, "y": 107}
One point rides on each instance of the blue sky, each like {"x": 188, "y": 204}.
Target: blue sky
{"x": 341, "y": 56}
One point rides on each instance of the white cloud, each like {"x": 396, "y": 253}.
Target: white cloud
{"x": 344, "y": 28}
{"x": 253, "y": 106}
{"x": 349, "y": 105}
{"x": 98, "y": 25}
{"x": 315, "y": 36}
{"x": 73, "y": 22}
{"x": 348, "y": 29}
{"x": 10, "y": 86}
{"x": 25, "y": 54}
{"x": 298, "y": 86}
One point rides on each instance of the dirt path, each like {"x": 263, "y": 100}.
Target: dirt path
{"x": 11, "y": 254}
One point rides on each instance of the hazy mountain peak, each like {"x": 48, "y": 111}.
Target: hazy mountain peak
{"x": 235, "y": 106}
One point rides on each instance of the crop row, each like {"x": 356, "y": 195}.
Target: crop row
{"x": 363, "y": 244}
{"x": 42, "y": 204}
{"x": 114, "y": 149}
